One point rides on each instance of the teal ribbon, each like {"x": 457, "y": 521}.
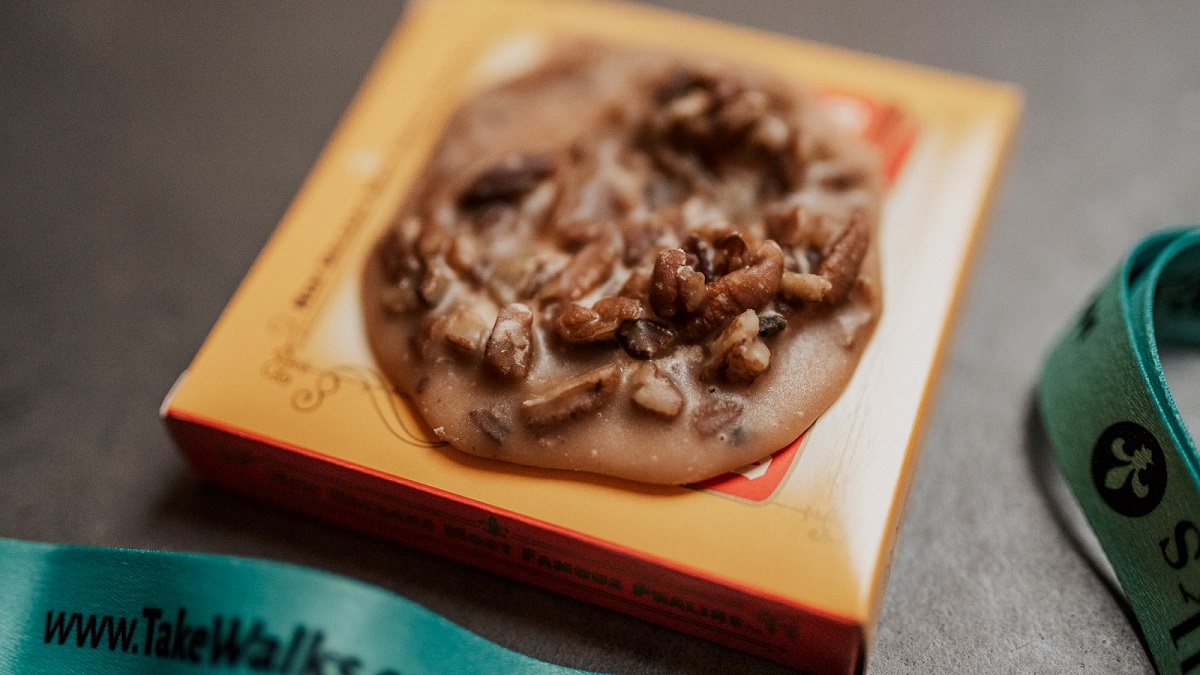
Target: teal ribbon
{"x": 1122, "y": 445}
{"x": 77, "y": 609}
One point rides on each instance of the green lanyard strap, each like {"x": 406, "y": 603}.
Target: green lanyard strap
{"x": 1122, "y": 445}
{"x": 77, "y": 609}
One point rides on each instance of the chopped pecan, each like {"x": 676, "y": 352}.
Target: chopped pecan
{"x": 577, "y": 323}
{"x": 645, "y": 339}
{"x": 675, "y": 287}
{"x": 654, "y": 391}
{"x": 738, "y": 354}
{"x": 637, "y": 285}
{"x": 691, "y": 289}
{"x": 743, "y": 110}
{"x": 748, "y": 288}
{"x": 508, "y": 180}
{"x": 539, "y": 271}
{"x": 715, "y": 416}
{"x": 791, "y": 226}
{"x": 436, "y": 281}
{"x": 495, "y": 216}
{"x": 844, "y": 257}
{"x": 466, "y": 329}
{"x": 463, "y": 253}
{"x": 732, "y": 252}
{"x": 490, "y": 424}
{"x": 574, "y": 398}
{"x": 431, "y": 242}
{"x": 638, "y": 238}
{"x": 400, "y": 297}
{"x": 537, "y": 205}
{"x": 576, "y": 232}
{"x": 396, "y": 250}
{"x": 801, "y": 287}
{"x": 692, "y": 104}
{"x": 662, "y": 191}
{"x": 591, "y": 266}
{"x": 510, "y": 348}
{"x": 836, "y": 176}
{"x": 429, "y": 335}
{"x": 772, "y": 133}
{"x": 700, "y": 256}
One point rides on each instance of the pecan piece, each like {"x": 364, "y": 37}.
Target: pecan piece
{"x": 436, "y": 281}
{"x": 466, "y": 329}
{"x": 489, "y": 424}
{"x": 396, "y": 251}
{"x": 772, "y": 133}
{"x": 509, "y": 350}
{"x": 588, "y": 269}
{"x": 801, "y": 287}
{"x": 578, "y": 324}
{"x": 400, "y": 297}
{"x": 638, "y": 238}
{"x": 791, "y": 226}
{"x": 844, "y": 257}
{"x": 644, "y": 339}
{"x": 715, "y": 416}
{"x": 675, "y": 287}
{"x": 738, "y": 354}
{"x": 574, "y": 398}
{"x": 463, "y": 254}
{"x": 637, "y": 285}
{"x": 733, "y": 253}
{"x": 654, "y": 391}
{"x": 508, "y": 180}
{"x": 700, "y": 256}
{"x": 748, "y": 288}
{"x": 837, "y": 176}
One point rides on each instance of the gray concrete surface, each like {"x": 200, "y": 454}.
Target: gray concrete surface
{"x": 147, "y": 150}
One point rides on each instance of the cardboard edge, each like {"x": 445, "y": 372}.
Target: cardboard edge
{"x": 551, "y": 557}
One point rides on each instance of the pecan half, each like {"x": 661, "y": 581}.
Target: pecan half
{"x": 844, "y": 257}
{"x": 510, "y": 348}
{"x": 748, "y": 288}
{"x": 508, "y": 180}
{"x": 577, "y": 323}
{"x": 654, "y": 391}
{"x": 574, "y": 398}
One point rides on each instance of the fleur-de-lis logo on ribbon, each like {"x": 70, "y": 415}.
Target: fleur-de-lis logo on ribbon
{"x": 1128, "y": 469}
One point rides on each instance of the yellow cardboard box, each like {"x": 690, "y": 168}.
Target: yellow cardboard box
{"x": 786, "y": 559}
